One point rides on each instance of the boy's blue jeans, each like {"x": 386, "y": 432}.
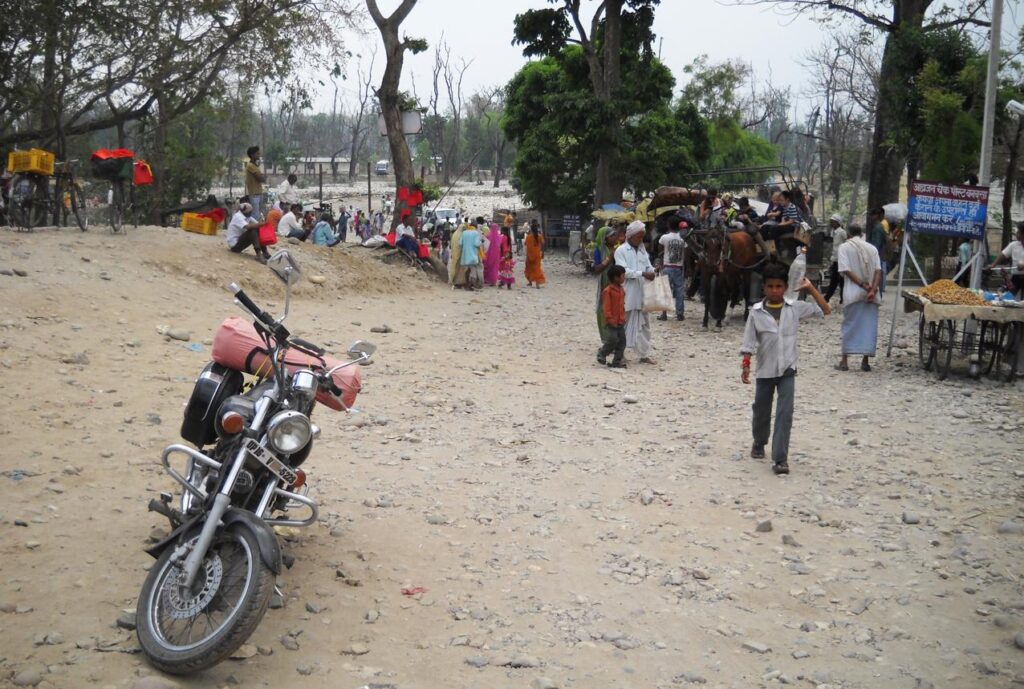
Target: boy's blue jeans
{"x": 764, "y": 391}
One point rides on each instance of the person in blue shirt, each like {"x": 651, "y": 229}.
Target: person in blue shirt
{"x": 323, "y": 233}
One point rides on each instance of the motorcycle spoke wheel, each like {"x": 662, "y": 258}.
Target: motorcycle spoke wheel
{"x": 185, "y": 630}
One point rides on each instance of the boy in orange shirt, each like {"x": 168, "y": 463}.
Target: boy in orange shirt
{"x": 613, "y": 301}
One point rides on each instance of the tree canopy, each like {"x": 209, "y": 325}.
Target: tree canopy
{"x": 558, "y": 126}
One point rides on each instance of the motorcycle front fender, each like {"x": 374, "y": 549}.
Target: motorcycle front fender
{"x": 170, "y": 539}
{"x": 270, "y": 549}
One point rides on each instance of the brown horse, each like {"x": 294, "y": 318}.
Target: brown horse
{"x": 725, "y": 261}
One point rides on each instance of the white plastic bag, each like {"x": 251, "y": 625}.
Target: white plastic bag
{"x": 658, "y": 295}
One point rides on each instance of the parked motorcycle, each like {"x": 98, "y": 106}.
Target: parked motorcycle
{"x": 215, "y": 572}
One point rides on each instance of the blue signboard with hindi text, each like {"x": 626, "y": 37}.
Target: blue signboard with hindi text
{"x": 950, "y": 210}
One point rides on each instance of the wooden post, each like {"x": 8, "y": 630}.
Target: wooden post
{"x": 369, "y": 191}
{"x": 320, "y": 166}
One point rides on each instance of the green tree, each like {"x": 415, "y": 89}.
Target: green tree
{"x": 663, "y": 144}
{"x": 546, "y": 115}
{"x": 901, "y": 23}
{"x": 558, "y": 127}
{"x": 619, "y": 37}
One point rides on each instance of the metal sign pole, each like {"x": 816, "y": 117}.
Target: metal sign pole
{"x": 899, "y": 290}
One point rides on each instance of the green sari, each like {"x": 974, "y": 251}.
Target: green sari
{"x": 602, "y": 281}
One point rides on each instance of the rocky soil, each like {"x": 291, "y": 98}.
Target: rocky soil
{"x": 500, "y": 511}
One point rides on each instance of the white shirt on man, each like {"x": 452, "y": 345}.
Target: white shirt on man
{"x": 674, "y": 249}
{"x": 287, "y": 194}
{"x": 838, "y": 237}
{"x": 287, "y": 223}
{"x": 1015, "y": 252}
{"x": 636, "y": 262}
{"x": 404, "y": 230}
{"x": 237, "y": 226}
{"x": 849, "y": 259}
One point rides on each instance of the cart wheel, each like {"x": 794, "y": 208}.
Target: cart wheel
{"x": 925, "y": 343}
{"x": 1007, "y": 358}
{"x": 944, "y": 345}
{"x": 989, "y": 343}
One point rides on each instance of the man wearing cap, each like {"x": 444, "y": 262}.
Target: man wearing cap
{"x": 244, "y": 231}
{"x": 673, "y": 250}
{"x": 633, "y": 257}
{"x": 838, "y": 237}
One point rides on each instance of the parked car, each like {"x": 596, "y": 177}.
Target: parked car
{"x": 443, "y": 214}
{"x": 383, "y": 167}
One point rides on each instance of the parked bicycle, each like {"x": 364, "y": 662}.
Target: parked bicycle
{"x": 33, "y": 200}
{"x": 583, "y": 257}
{"x": 116, "y": 167}
{"x": 120, "y": 204}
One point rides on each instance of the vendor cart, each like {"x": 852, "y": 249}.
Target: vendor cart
{"x": 989, "y": 337}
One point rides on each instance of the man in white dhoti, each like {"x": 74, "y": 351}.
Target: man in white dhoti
{"x": 633, "y": 257}
{"x": 861, "y": 266}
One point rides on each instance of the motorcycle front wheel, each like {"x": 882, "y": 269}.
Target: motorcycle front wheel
{"x": 186, "y": 630}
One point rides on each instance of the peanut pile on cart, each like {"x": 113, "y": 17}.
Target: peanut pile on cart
{"x": 948, "y": 292}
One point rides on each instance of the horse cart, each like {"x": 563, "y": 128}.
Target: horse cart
{"x": 724, "y": 259}
{"x": 989, "y": 337}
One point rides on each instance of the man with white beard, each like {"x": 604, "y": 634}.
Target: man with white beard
{"x": 633, "y": 257}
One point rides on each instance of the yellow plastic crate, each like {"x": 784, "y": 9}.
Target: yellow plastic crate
{"x": 191, "y": 222}
{"x": 33, "y": 160}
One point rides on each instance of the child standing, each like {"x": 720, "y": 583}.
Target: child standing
{"x": 613, "y": 301}
{"x": 771, "y": 332}
{"x": 507, "y": 268}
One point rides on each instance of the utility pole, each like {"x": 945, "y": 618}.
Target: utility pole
{"x": 987, "y": 131}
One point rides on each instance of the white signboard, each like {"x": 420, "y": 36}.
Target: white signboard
{"x": 412, "y": 123}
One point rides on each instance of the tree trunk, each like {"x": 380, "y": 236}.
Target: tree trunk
{"x": 390, "y": 108}
{"x": 159, "y": 156}
{"x": 609, "y": 183}
{"x": 498, "y": 155}
{"x": 895, "y": 80}
{"x": 1010, "y": 181}
{"x": 48, "y": 106}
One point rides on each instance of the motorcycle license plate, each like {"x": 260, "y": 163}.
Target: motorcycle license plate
{"x": 275, "y": 465}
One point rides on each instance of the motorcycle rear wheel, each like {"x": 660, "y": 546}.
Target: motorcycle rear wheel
{"x": 181, "y": 634}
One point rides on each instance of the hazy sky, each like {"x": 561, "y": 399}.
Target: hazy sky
{"x": 481, "y": 31}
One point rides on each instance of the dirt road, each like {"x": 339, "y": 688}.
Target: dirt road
{"x": 573, "y": 526}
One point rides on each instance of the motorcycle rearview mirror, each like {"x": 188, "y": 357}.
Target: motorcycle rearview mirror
{"x": 361, "y": 349}
{"x": 287, "y": 269}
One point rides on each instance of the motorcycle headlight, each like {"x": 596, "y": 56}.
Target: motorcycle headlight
{"x": 289, "y": 432}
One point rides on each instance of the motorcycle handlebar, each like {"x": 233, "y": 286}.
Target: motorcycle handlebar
{"x": 244, "y": 299}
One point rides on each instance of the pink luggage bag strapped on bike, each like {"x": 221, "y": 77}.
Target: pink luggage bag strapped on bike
{"x": 238, "y": 346}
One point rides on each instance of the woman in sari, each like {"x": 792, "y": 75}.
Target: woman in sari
{"x": 607, "y": 240}
{"x": 535, "y": 256}
{"x": 495, "y": 250}
{"x": 454, "y": 274}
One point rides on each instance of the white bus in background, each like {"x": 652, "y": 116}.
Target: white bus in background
{"x": 383, "y": 167}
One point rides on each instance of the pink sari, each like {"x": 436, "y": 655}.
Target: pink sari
{"x": 498, "y": 243}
